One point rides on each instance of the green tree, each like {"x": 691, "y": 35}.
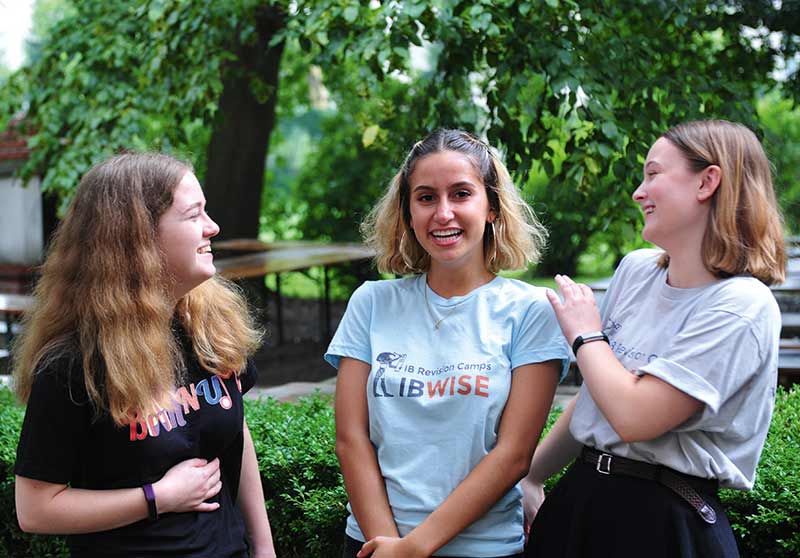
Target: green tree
{"x": 780, "y": 117}
{"x": 572, "y": 90}
{"x": 581, "y": 89}
{"x": 158, "y": 74}
{"x": 45, "y": 15}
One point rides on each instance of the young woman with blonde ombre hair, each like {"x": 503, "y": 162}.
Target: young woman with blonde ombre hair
{"x": 680, "y": 362}
{"x": 133, "y": 362}
{"x": 445, "y": 377}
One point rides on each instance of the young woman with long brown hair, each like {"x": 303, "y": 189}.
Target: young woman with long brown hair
{"x": 446, "y": 376}
{"x": 680, "y": 362}
{"x": 133, "y": 363}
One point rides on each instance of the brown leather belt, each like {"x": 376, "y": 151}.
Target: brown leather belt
{"x": 609, "y": 464}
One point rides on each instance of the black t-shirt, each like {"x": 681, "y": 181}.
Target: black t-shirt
{"x": 62, "y": 443}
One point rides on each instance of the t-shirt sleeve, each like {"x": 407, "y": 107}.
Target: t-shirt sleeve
{"x": 249, "y": 376}
{"x": 352, "y": 337}
{"x": 56, "y": 422}
{"x": 539, "y": 338}
{"x": 711, "y": 358}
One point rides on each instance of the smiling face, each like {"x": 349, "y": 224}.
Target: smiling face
{"x": 449, "y": 210}
{"x": 184, "y": 237}
{"x": 672, "y": 197}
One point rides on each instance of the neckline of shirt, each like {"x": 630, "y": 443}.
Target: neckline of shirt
{"x": 440, "y": 301}
{"x": 683, "y": 293}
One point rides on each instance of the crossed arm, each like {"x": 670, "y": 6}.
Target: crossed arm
{"x": 532, "y": 390}
{"x": 57, "y": 509}
{"x": 637, "y": 407}
{"x": 51, "y": 508}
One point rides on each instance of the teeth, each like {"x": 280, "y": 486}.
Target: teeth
{"x": 205, "y": 250}
{"x": 446, "y": 234}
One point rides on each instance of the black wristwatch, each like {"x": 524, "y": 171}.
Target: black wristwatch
{"x": 588, "y": 338}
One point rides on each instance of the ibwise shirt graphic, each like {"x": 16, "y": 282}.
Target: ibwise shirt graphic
{"x": 435, "y": 397}
{"x": 451, "y": 379}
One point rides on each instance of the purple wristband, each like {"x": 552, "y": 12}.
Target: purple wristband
{"x": 150, "y": 496}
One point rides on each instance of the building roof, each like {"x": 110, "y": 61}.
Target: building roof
{"x": 13, "y": 144}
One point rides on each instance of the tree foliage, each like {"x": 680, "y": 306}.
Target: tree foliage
{"x": 780, "y": 118}
{"x": 573, "y": 92}
{"x": 577, "y": 91}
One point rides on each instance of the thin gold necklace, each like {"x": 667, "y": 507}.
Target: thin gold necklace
{"x": 437, "y": 323}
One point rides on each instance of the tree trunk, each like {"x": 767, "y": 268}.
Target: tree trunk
{"x": 237, "y": 151}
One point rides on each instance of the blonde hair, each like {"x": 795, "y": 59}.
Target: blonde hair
{"x": 745, "y": 229}
{"x": 515, "y": 240}
{"x": 103, "y": 297}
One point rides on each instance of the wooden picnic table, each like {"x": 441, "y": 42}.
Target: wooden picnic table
{"x": 15, "y": 304}
{"x": 279, "y": 260}
{"x": 284, "y": 256}
{"x": 12, "y": 306}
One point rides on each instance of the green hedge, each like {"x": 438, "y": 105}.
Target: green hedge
{"x": 306, "y": 498}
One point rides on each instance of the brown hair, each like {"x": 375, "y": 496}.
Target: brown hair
{"x": 516, "y": 239}
{"x": 745, "y": 229}
{"x": 103, "y": 295}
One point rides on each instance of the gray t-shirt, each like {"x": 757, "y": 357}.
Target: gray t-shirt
{"x": 717, "y": 343}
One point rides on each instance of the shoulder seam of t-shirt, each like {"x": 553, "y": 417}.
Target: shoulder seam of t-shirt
{"x": 348, "y": 351}
{"x": 751, "y": 329}
{"x": 538, "y": 356}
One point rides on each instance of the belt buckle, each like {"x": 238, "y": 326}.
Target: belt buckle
{"x": 604, "y": 466}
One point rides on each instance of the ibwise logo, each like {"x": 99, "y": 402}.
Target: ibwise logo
{"x": 456, "y": 379}
{"x": 386, "y": 360}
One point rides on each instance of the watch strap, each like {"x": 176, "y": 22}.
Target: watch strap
{"x": 584, "y": 338}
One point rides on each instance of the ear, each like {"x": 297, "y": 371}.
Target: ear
{"x": 491, "y": 217}
{"x": 710, "y": 178}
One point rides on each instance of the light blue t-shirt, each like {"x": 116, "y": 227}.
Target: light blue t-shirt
{"x": 436, "y": 396}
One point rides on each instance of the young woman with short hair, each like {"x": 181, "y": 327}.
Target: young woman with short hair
{"x": 445, "y": 377}
{"x": 680, "y": 362}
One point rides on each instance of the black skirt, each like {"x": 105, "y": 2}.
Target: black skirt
{"x": 589, "y": 514}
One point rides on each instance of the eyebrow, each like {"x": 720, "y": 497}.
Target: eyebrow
{"x": 459, "y": 184}
{"x": 195, "y": 205}
{"x": 651, "y": 162}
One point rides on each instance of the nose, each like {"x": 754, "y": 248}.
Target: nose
{"x": 211, "y": 228}
{"x": 639, "y": 194}
{"x": 444, "y": 212}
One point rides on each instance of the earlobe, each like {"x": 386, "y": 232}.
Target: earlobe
{"x": 491, "y": 217}
{"x": 709, "y": 182}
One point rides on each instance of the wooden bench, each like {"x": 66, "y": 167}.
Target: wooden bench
{"x": 12, "y": 306}
{"x": 285, "y": 256}
{"x": 790, "y": 325}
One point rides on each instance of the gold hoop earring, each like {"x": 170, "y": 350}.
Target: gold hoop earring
{"x": 494, "y": 244}
{"x": 403, "y": 255}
